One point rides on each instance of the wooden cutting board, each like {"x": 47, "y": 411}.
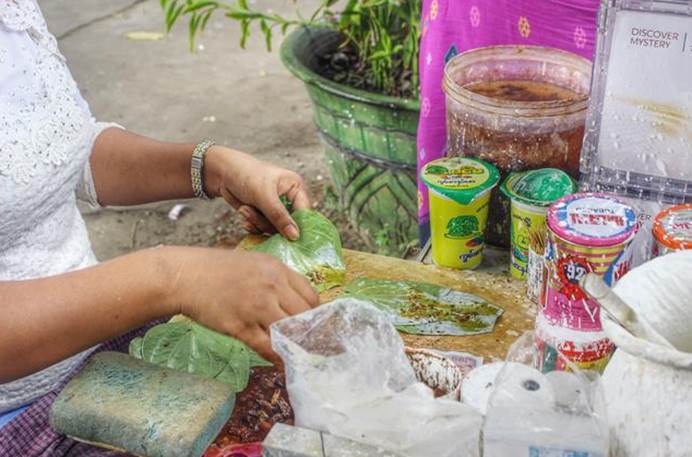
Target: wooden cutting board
{"x": 497, "y": 288}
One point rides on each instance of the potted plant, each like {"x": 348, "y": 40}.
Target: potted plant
{"x": 359, "y": 64}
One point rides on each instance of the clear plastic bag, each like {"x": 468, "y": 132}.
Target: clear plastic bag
{"x": 561, "y": 413}
{"x": 347, "y": 374}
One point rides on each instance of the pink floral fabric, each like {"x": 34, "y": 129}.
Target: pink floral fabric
{"x": 453, "y": 26}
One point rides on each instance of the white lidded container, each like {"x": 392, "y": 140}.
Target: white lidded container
{"x": 648, "y": 387}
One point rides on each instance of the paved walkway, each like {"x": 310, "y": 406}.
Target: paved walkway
{"x": 243, "y": 98}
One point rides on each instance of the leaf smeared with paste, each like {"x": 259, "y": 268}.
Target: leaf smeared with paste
{"x": 316, "y": 254}
{"x": 191, "y": 347}
{"x": 427, "y": 309}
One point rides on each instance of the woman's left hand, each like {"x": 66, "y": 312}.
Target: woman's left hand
{"x": 253, "y": 187}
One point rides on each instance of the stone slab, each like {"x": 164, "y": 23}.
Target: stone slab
{"x": 119, "y": 402}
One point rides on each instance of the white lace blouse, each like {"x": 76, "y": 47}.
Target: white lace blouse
{"x": 46, "y": 137}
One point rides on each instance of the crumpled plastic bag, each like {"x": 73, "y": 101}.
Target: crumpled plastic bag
{"x": 347, "y": 374}
{"x": 531, "y": 413}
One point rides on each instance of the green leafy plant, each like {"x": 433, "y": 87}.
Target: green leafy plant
{"x": 317, "y": 254}
{"x": 380, "y": 46}
{"x": 188, "y": 346}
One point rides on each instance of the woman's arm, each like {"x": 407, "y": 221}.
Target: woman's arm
{"x": 130, "y": 169}
{"x": 238, "y": 293}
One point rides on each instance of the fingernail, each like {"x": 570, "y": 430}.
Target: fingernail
{"x": 291, "y": 232}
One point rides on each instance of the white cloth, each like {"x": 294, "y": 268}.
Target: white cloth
{"x": 46, "y": 136}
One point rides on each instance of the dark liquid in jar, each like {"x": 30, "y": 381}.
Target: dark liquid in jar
{"x": 511, "y": 145}
{"x": 522, "y": 91}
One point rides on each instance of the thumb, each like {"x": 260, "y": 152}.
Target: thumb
{"x": 278, "y": 216}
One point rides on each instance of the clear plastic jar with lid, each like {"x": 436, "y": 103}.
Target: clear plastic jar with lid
{"x": 519, "y": 108}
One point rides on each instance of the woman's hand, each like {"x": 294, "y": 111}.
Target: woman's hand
{"x": 238, "y": 293}
{"x": 253, "y": 187}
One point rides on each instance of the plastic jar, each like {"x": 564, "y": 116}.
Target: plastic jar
{"x": 519, "y": 108}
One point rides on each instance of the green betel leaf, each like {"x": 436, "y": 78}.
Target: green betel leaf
{"x": 193, "y": 348}
{"x": 316, "y": 254}
{"x": 427, "y": 309}
{"x": 135, "y": 348}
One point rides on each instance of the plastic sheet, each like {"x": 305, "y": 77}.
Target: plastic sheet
{"x": 347, "y": 374}
{"x": 544, "y": 415}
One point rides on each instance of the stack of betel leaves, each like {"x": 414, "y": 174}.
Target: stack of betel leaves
{"x": 187, "y": 346}
{"x": 415, "y": 308}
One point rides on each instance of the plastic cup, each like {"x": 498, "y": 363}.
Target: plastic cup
{"x": 459, "y": 190}
{"x": 587, "y": 232}
{"x": 530, "y": 194}
{"x": 672, "y": 229}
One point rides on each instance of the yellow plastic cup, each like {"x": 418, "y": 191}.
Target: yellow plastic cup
{"x": 531, "y": 193}
{"x": 459, "y": 190}
{"x": 525, "y": 219}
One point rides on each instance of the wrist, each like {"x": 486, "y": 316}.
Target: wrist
{"x": 164, "y": 268}
{"x": 212, "y": 171}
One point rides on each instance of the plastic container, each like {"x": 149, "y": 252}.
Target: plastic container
{"x": 535, "y": 276}
{"x": 672, "y": 229}
{"x": 459, "y": 190}
{"x": 586, "y": 233}
{"x": 586, "y": 350}
{"x": 519, "y": 108}
{"x": 638, "y": 143}
{"x": 530, "y": 194}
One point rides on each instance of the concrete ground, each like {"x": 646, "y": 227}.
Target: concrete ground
{"x": 243, "y": 98}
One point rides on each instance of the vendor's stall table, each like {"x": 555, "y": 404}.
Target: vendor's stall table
{"x": 497, "y": 288}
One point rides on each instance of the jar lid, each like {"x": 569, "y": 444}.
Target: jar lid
{"x": 461, "y": 179}
{"x": 538, "y": 187}
{"x": 592, "y": 219}
{"x": 673, "y": 227}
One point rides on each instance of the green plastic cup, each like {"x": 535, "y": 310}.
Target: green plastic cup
{"x": 531, "y": 193}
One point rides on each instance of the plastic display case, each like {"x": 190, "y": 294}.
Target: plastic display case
{"x": 638, "y": 140}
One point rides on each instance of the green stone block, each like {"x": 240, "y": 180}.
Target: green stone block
{"x": 119, "y": 402}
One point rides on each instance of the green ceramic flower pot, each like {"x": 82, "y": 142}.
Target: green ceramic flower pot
{"x": 369, "y": 141}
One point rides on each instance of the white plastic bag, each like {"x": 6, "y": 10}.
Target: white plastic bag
{"x": 544, "y": 415}
{"x": 347, "y": 374}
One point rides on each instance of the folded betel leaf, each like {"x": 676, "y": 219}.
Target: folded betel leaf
{"x": 191, "y": 347}
{"x": 119, "y": 402}
{"x": 316, "y": 254}
{"x": 427, "y": 309}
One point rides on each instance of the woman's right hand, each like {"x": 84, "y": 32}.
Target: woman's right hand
{"x": 237, "y": 292}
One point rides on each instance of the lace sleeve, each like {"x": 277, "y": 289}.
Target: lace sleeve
{"x": 86, "y": 190}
